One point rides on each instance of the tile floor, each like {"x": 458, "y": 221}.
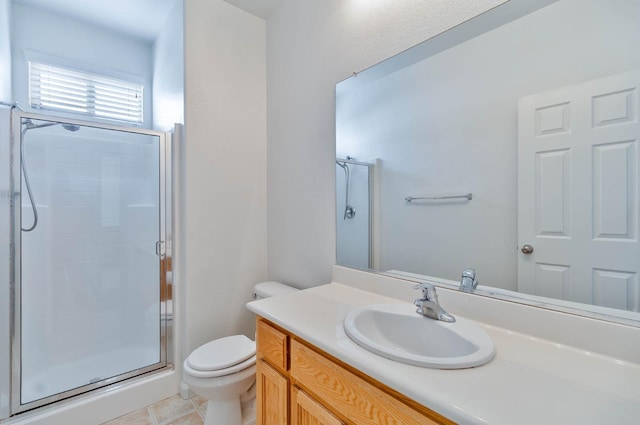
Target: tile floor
{"x": 170, "y": 411}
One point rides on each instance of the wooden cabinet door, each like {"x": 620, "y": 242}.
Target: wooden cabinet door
{"x": 272, "y": 395}
{"x": 306, "y": 411}
{"x": 272, "y": 345}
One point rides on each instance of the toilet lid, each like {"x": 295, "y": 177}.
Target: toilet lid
{"x": 222, "y": 353}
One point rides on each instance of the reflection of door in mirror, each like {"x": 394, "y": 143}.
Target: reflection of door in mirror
{"x": 578, "y": 192}
{"x": 353, "y": 213}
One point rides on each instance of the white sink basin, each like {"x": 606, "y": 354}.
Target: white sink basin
{"x": 397, "y": 332}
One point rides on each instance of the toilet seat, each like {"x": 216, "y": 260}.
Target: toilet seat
{"x": 221, "y": 357}
{"x": 218, "y": 373}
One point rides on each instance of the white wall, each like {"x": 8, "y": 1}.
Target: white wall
{"x": 224, "y": 169}
{"x": 76, "y": 44}
{"x": 5, "y": 51}
{"x": 448, "y": 125}
{"x": 168, "y": 71}
{"x": 312, "y": 45}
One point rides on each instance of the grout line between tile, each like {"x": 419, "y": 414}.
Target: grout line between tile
{"x": 197, "y": 408}
{"x": 152, "y": 416}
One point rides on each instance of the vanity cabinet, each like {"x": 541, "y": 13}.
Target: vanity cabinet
{"x": 298, "y": 384}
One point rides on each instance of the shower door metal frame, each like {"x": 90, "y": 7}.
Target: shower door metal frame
{"x": 5, "y": 314}
{"x": 164, "y": 251}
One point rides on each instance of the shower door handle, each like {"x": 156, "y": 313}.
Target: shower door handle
{"x": 159, "y": 252}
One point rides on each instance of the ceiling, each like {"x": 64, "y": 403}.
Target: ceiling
{"x": 138, "y": 18}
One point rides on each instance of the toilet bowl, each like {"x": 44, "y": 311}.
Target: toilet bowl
{"x": 223, "y": 371}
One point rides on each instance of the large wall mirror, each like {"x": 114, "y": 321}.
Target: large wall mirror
{"x": 508, "y": 144}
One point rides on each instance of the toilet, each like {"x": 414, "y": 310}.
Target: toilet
{"x": 223, "y": 371}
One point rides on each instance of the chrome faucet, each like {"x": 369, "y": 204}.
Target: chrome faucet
{"x": 468, "y": 282}
{"x": 428, "y": 305}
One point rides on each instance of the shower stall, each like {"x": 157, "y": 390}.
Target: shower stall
{"x": 85, "y": 226}
{"x": 354, "y": 213}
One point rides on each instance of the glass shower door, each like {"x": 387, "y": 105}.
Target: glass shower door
{"x": 88, "y": 289}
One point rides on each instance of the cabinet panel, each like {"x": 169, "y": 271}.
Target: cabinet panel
{"x": 272, "y": 345}
{"x": 356, "y": 399}
{"x": 306, "y": 411}
{"x": 272, "y": 395}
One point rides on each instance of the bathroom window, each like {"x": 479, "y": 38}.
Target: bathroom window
{"x": 62, "y": 89}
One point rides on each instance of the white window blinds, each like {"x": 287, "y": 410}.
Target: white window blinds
{"x": 68, "y": 90}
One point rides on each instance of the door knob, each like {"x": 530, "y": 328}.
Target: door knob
{"x": 526, "y": 249}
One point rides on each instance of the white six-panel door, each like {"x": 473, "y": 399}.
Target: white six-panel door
{"x": 578, "y": 192}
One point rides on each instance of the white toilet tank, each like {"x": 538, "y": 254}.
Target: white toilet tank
{"x": 271, "y": 289}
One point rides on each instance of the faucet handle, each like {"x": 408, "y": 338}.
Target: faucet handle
{"x": 470, "y": 273}
{"x": 427, "y": 291}
{"x": 469, "y": 281}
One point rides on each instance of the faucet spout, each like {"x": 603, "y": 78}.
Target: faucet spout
{"x": 428, "y": 304}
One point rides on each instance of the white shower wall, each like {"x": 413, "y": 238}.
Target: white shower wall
{"x": 90, "y": 276}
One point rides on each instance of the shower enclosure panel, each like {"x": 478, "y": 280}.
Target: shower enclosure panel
{"x": 354, "y": 206}
{"x": 87, "y": 257}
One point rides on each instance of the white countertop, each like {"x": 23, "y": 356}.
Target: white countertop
{"x": 530, "y": 381}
